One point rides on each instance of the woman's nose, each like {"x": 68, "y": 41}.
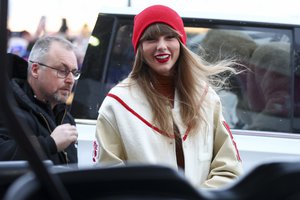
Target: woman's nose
{"x": 161, "y": 44}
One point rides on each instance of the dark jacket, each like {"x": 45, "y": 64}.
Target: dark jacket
{"x": 39, "y": 117}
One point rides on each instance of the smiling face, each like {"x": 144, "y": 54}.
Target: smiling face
{"x": 160, "y": 49}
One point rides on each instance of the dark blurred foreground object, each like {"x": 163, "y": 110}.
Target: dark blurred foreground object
{"x": 274, "y": 181}
{"x": 130, "y": 182}
{"x": 11, "y": 170}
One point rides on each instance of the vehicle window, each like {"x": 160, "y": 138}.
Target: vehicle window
{"x": 90, "y": 89}
{"x": 296, "y": 120}
{"x": 122, "y": 56}
{"x": 259, "y": 98}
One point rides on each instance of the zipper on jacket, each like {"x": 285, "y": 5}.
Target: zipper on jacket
{"x": 44, "y": 118}
{"x": 65, "y": 153}
{"x": 64, "y": 115}
{"x": 66, "y": 157}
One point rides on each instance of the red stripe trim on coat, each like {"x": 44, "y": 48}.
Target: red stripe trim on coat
{"x": 232, "y": 139}
{"x": 137, "y": 115}
{"x": 148, "y": 123}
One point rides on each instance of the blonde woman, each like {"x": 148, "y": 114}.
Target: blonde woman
{"x": 166, "y": 112}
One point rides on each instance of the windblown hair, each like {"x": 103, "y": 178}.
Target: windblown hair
{"x": 192, "y": 76}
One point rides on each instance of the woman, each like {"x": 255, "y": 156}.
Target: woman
{"x": 166, "y": 112}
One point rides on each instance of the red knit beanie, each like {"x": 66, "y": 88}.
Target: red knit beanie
{"x": 156, "y": 14}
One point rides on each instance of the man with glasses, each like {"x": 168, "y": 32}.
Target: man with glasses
{"x": 41, "y": 92}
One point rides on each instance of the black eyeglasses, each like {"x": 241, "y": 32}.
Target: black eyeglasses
{"x": 61, "y": 73}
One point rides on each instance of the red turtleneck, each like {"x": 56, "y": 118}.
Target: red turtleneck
{"x": 165, "y": 86}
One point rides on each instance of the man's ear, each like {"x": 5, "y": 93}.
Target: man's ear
{"x": 35, "y": 70}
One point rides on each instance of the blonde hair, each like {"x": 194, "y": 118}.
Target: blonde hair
{"x": 191, "y": 77}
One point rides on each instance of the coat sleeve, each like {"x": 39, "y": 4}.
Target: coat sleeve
{"x": 10, "y": 150}
{"x": 111, "y": 150}
{"x": 8, "y": 147}
{"x": 226, "y": 163}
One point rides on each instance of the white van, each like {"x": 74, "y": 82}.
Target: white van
{"x": 262, "y": 104}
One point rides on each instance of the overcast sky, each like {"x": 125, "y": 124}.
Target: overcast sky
{"x": 26, "y": 14}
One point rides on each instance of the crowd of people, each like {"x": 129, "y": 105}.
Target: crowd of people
{"x": 21, "y": 42}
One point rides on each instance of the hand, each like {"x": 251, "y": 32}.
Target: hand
{"x": 41, "y": 28}
{"x": 64, "y": 135}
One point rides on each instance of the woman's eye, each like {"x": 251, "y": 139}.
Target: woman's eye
{"x": 149, "y": 39}
{"x": 170, "y": 37}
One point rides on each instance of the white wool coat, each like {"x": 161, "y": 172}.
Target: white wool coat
{"x": 125, "y": 133}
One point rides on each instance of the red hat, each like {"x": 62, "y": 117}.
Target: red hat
{"x": 156, "y": 14}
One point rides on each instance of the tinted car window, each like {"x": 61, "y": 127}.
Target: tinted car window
{"x": 262, "y": 97}
{"x": 122, "y": 56}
